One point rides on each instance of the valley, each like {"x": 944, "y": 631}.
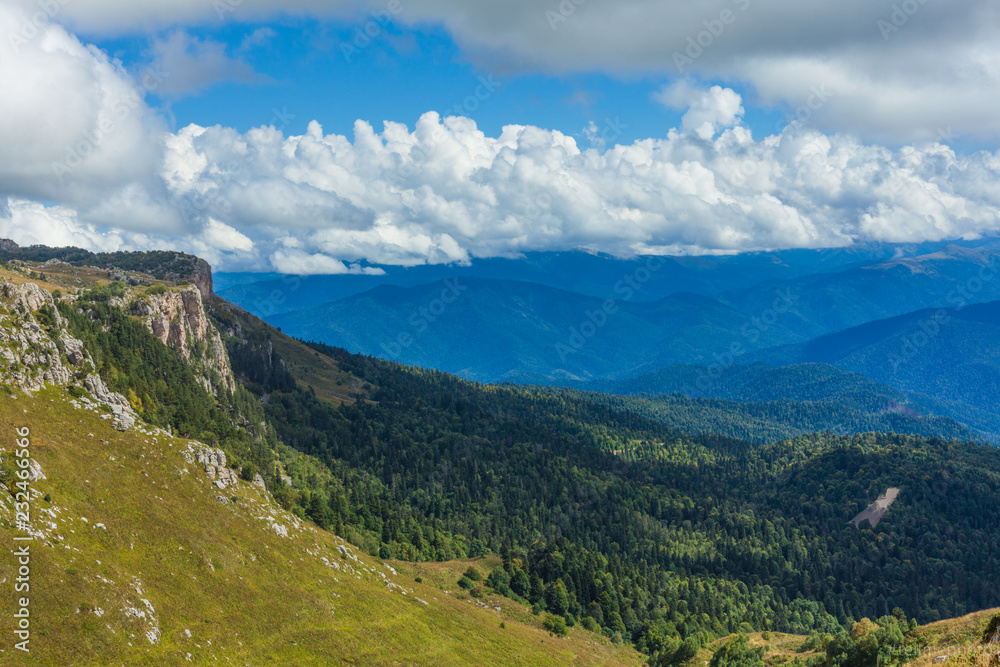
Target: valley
{"x": 643, "y": 523}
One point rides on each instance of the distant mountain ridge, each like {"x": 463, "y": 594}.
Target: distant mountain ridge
{"x": 590, "y": 274}
{"x": 492, "y": 330}
{"x": 949, "y": 358}
{"x": 532, "y": 332}
{"x": 159, "y": 264}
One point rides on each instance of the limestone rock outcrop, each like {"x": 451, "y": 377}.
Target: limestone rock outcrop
{"x": 214, "y": 461}
{"x": 178, "y": 319}
{"x": 37, "y": 356}
{"x": 32, "y": 355}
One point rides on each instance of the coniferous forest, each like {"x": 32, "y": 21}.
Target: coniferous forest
{"x": 607, "y": 517}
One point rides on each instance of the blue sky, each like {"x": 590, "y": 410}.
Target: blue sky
{"x": 322, "y": 70}
{"x": 640, "y": 127}
{"x": 398, "y": 76}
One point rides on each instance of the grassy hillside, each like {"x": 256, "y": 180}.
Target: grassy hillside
{"x": 960, "y": 639}
{"x": 596, "y": 517}
{"x": 129, "y": 521}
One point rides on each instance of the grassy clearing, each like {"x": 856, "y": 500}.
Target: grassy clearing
{"x": 221, "y": 573}
{"x": 312, "y": 369}
{"x": 959, "y": 640}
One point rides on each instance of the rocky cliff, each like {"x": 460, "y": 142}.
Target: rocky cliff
{"x": 38, "y": 351}
{"x": 36, "y": 348}
{"x": 178, "y": 319}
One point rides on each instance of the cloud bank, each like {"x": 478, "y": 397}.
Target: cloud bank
{"x": 901, "y": 70}
{"x": 443, "y": 191}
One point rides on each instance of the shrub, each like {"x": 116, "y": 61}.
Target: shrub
{"x": 556, "y": 625}
{"x": 473, "y": 573}
{"x": 737, "y": 653}
{"x": 465, "y": 582}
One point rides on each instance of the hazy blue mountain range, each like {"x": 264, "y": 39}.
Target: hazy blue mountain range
{"x": 949, "y": 357}
{"x": 508, "y": 330}
{"x": 834, "y": 327}
{"x": 592, "y": 274}
{"x": 528, "y": 331}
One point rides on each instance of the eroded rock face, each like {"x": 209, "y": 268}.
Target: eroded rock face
{"x": 73, "y": 349}
{"x": 214, "y": 461}
{"x": 121, "y": 410}
{"x": 172, "y": 315}
{"x": 178, "y": 319}
{"x": 37, "y": 357}
{"x": 32, "y": 356}
{"x": 202, "y": 278}
{"x": 28, "y": 298}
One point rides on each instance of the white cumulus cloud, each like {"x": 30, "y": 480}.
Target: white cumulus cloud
{"x": 443, "y": 190}
{"x": 707, "y": 110}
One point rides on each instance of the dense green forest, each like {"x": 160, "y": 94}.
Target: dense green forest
{"x": 775, "y": 420}
{"x": 603, "y": 516}
{"x": 683, "y": 534}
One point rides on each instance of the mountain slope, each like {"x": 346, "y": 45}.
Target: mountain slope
{"x": 138, "y": 558}
{"x": 503, "y": 330}
{"x": 154, "y": 549}
{"x": 521, "y": 330}
{"x": 600, "y": 517}
{"x": 948, "y": 358}
{"x": 951, "y": 276}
